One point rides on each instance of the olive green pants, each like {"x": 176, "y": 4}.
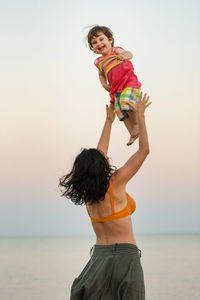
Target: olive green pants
{"x": 114, "y": 272}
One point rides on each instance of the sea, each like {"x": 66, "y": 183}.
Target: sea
{"x": 43, "y": 268}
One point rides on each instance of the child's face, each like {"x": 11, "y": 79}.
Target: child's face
{"x": 101, "y": 44}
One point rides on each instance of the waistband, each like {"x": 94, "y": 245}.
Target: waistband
{"x": 114, "y": 249}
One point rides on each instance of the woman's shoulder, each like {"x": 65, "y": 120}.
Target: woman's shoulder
{"x": 116, "y": 181}
{"x": 117, "y": 189}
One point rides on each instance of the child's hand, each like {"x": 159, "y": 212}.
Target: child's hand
{"x": 121, "y": 56}
{"x": 142, "y": 103}
{"x": 107, "y": 87}
{"x": 124, "y": 55}
{"x": 110, "y": 113}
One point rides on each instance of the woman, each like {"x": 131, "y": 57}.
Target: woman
{"x": 114, "y": 271}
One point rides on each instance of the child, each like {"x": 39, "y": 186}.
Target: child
{"x": 116, "y": 74}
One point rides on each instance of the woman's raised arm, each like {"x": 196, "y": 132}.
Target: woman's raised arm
{"x": 105, "y": 135}
{"x": 125, "y": 173}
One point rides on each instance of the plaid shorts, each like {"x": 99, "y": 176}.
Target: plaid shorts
{"x": 124, "y": 100}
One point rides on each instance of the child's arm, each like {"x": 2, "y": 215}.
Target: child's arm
{"x": 123, "y": 55}
{"x": 103, "y": 81}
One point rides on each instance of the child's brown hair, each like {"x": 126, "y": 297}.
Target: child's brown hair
{"x": 94, "y": 32}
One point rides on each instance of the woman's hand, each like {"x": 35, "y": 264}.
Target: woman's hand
{"x": 142, "y": 104}
{"x": 110, "y": 113}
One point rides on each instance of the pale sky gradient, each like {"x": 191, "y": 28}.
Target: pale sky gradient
{"x": 52, "y": 105}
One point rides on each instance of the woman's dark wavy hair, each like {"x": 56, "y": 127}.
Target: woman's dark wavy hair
{"x": 89, "y": 178}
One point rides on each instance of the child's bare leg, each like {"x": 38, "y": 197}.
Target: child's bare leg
{"x": 134, "y": 121}
{"x": 128, "y": 124}
{"x": 131, "y": 124}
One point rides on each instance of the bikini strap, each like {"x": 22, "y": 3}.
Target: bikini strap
{"x": 111, "y": 197}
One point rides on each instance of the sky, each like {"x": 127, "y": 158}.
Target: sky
{"x": 52, "y": 105}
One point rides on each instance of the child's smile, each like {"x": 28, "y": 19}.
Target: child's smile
{"x": 101, "y": 44}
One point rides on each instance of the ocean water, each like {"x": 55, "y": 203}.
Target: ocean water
{"x": 44, "y": 268}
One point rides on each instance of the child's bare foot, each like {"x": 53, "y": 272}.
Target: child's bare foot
{"x": 132, "y": 139}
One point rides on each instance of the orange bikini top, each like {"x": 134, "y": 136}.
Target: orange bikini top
{"x": 126, "y": 211}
